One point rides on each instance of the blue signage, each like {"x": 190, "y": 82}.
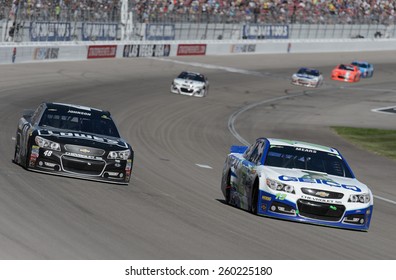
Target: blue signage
{"x": 97, "y": 31}
{"x": 268, "y": 31}
{"x": 49, "y": 31}
{"x": 160, "y": 32}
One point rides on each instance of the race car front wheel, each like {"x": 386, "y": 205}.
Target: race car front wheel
{"x": 228, "y": 189}
{"x": 254, "y": 202}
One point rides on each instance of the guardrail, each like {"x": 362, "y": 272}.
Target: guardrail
{"x": 73, "y": 51}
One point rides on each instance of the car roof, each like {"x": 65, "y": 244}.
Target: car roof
{"x": 301, "y": 144}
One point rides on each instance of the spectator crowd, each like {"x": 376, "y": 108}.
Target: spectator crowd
{"x": 229, "y": 11}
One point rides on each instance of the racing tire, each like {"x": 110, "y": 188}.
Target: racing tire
{"x": 228, "y": 189}
{"x": 254, "y": 202}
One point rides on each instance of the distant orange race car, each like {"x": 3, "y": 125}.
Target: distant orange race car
{"x": 346, "y": 73}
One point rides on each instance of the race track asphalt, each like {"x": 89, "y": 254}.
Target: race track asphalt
{"x": 173, "y": 207}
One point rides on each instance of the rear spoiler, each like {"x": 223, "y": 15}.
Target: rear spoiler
{"x": 238, "y": 149}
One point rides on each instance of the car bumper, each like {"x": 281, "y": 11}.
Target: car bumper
{"x": 198, "y": 92}
{"x": 314, "y": 212}
{"x": 349, "y": 79}
{"x": 305, "y": 84}
{"x": 78, "y": 166}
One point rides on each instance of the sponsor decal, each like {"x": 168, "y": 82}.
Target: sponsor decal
{"x": 96, "y": 31}
{"x": 306, "y": 150}
{"x": 82, "y": 156}
{"x": 328, "y": 182}
{"x": 318, "y": 199}
{"x": 79, "y": 113}
{"x": 191, "y": 49}
{"x": 81, "y": 135}
{"x": 266, "y": 198}
{"x": 45, "y": 53}
{"x": 49, "y": 31}
{"x": 146, "y": 50}
{"x": 103, "y": 51}
{"x": 322, "y": 194}
{"x": 267, "y": 31}
{"x": 243, "y": 48}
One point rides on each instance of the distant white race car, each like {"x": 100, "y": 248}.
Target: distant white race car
{"x": 307, "y": 77}
{"x": 190, "y": 83}
{"x": 296, "y": 181}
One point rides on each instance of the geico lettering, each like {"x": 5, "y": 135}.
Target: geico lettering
{"x": 319, "y": 181}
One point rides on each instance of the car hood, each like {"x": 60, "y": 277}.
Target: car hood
{"x": 82, "y": 139}
{"x": 317, "y": 180}
{"x": 189, "y": 82}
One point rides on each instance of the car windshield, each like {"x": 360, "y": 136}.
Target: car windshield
{"x": 311, "y": 72}
{"x": 361, "y": 65}
{"x": 307, "y": 159}
{"x": 192, "y": 76}
{"x": 88, "y": 122}
{"x": 346, "y": 67}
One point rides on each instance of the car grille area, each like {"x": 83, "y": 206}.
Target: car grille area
{"x": 84, "y": 150}
{"x": 186, "y": 90}
{"x": 83, "y": 165}
{"x": 320, "y": 211}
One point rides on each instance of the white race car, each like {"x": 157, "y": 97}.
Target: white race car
{"x": 296, "y": 181}
{"x": 307, "y": 77}
{"x": 190, "y": 83}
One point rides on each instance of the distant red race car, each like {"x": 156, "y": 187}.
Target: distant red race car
{"x": 346, "y": 73}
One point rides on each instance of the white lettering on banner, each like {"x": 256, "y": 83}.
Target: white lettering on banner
{"x": 49, "y": 30}
{"x": 99, "y": 30}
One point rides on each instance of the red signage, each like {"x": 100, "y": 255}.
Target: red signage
{"x": 102, "y": 51}
{"x": 191, "y": 49}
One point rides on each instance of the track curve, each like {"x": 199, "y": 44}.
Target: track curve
{"x": 173, "y": 208}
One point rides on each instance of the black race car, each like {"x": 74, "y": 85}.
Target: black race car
{"x": 73, "y": 141}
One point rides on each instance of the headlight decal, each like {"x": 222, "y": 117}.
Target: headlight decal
{"x": 359, "y": 198}
{"x": 278, "y": 186}
{"x": 47, "y": 144}
{"x": 119, "y": 154}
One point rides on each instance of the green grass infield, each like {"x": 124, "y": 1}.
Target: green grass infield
{"x": 379, "y": 141}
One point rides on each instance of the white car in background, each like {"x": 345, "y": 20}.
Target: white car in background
{"x": 191, "y": 84}
{"x": 307, "y": 77}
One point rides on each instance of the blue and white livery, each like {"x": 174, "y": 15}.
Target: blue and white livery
{"x": 296, "y": 181}
{"x": 365, "y": 68}
{"x": 307, "y": 77}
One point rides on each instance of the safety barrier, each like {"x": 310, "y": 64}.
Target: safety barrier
{"x": 74, "y": 51}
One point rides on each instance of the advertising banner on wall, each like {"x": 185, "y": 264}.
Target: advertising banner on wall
{"x": 267, "y": 31}
{"x": 243, "y": 48}
{"x": 102, "y": 51}
{"x": 45, "y": 53}
{"x": 160, "y": 32}
{"x": 99, "y": 31}
{"x": 191, "y": 49}
{"x": 146, "y": 50}
{"x": 49, "y": 31}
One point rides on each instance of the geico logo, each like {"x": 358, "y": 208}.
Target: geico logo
{"x": 319, "y": 181}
